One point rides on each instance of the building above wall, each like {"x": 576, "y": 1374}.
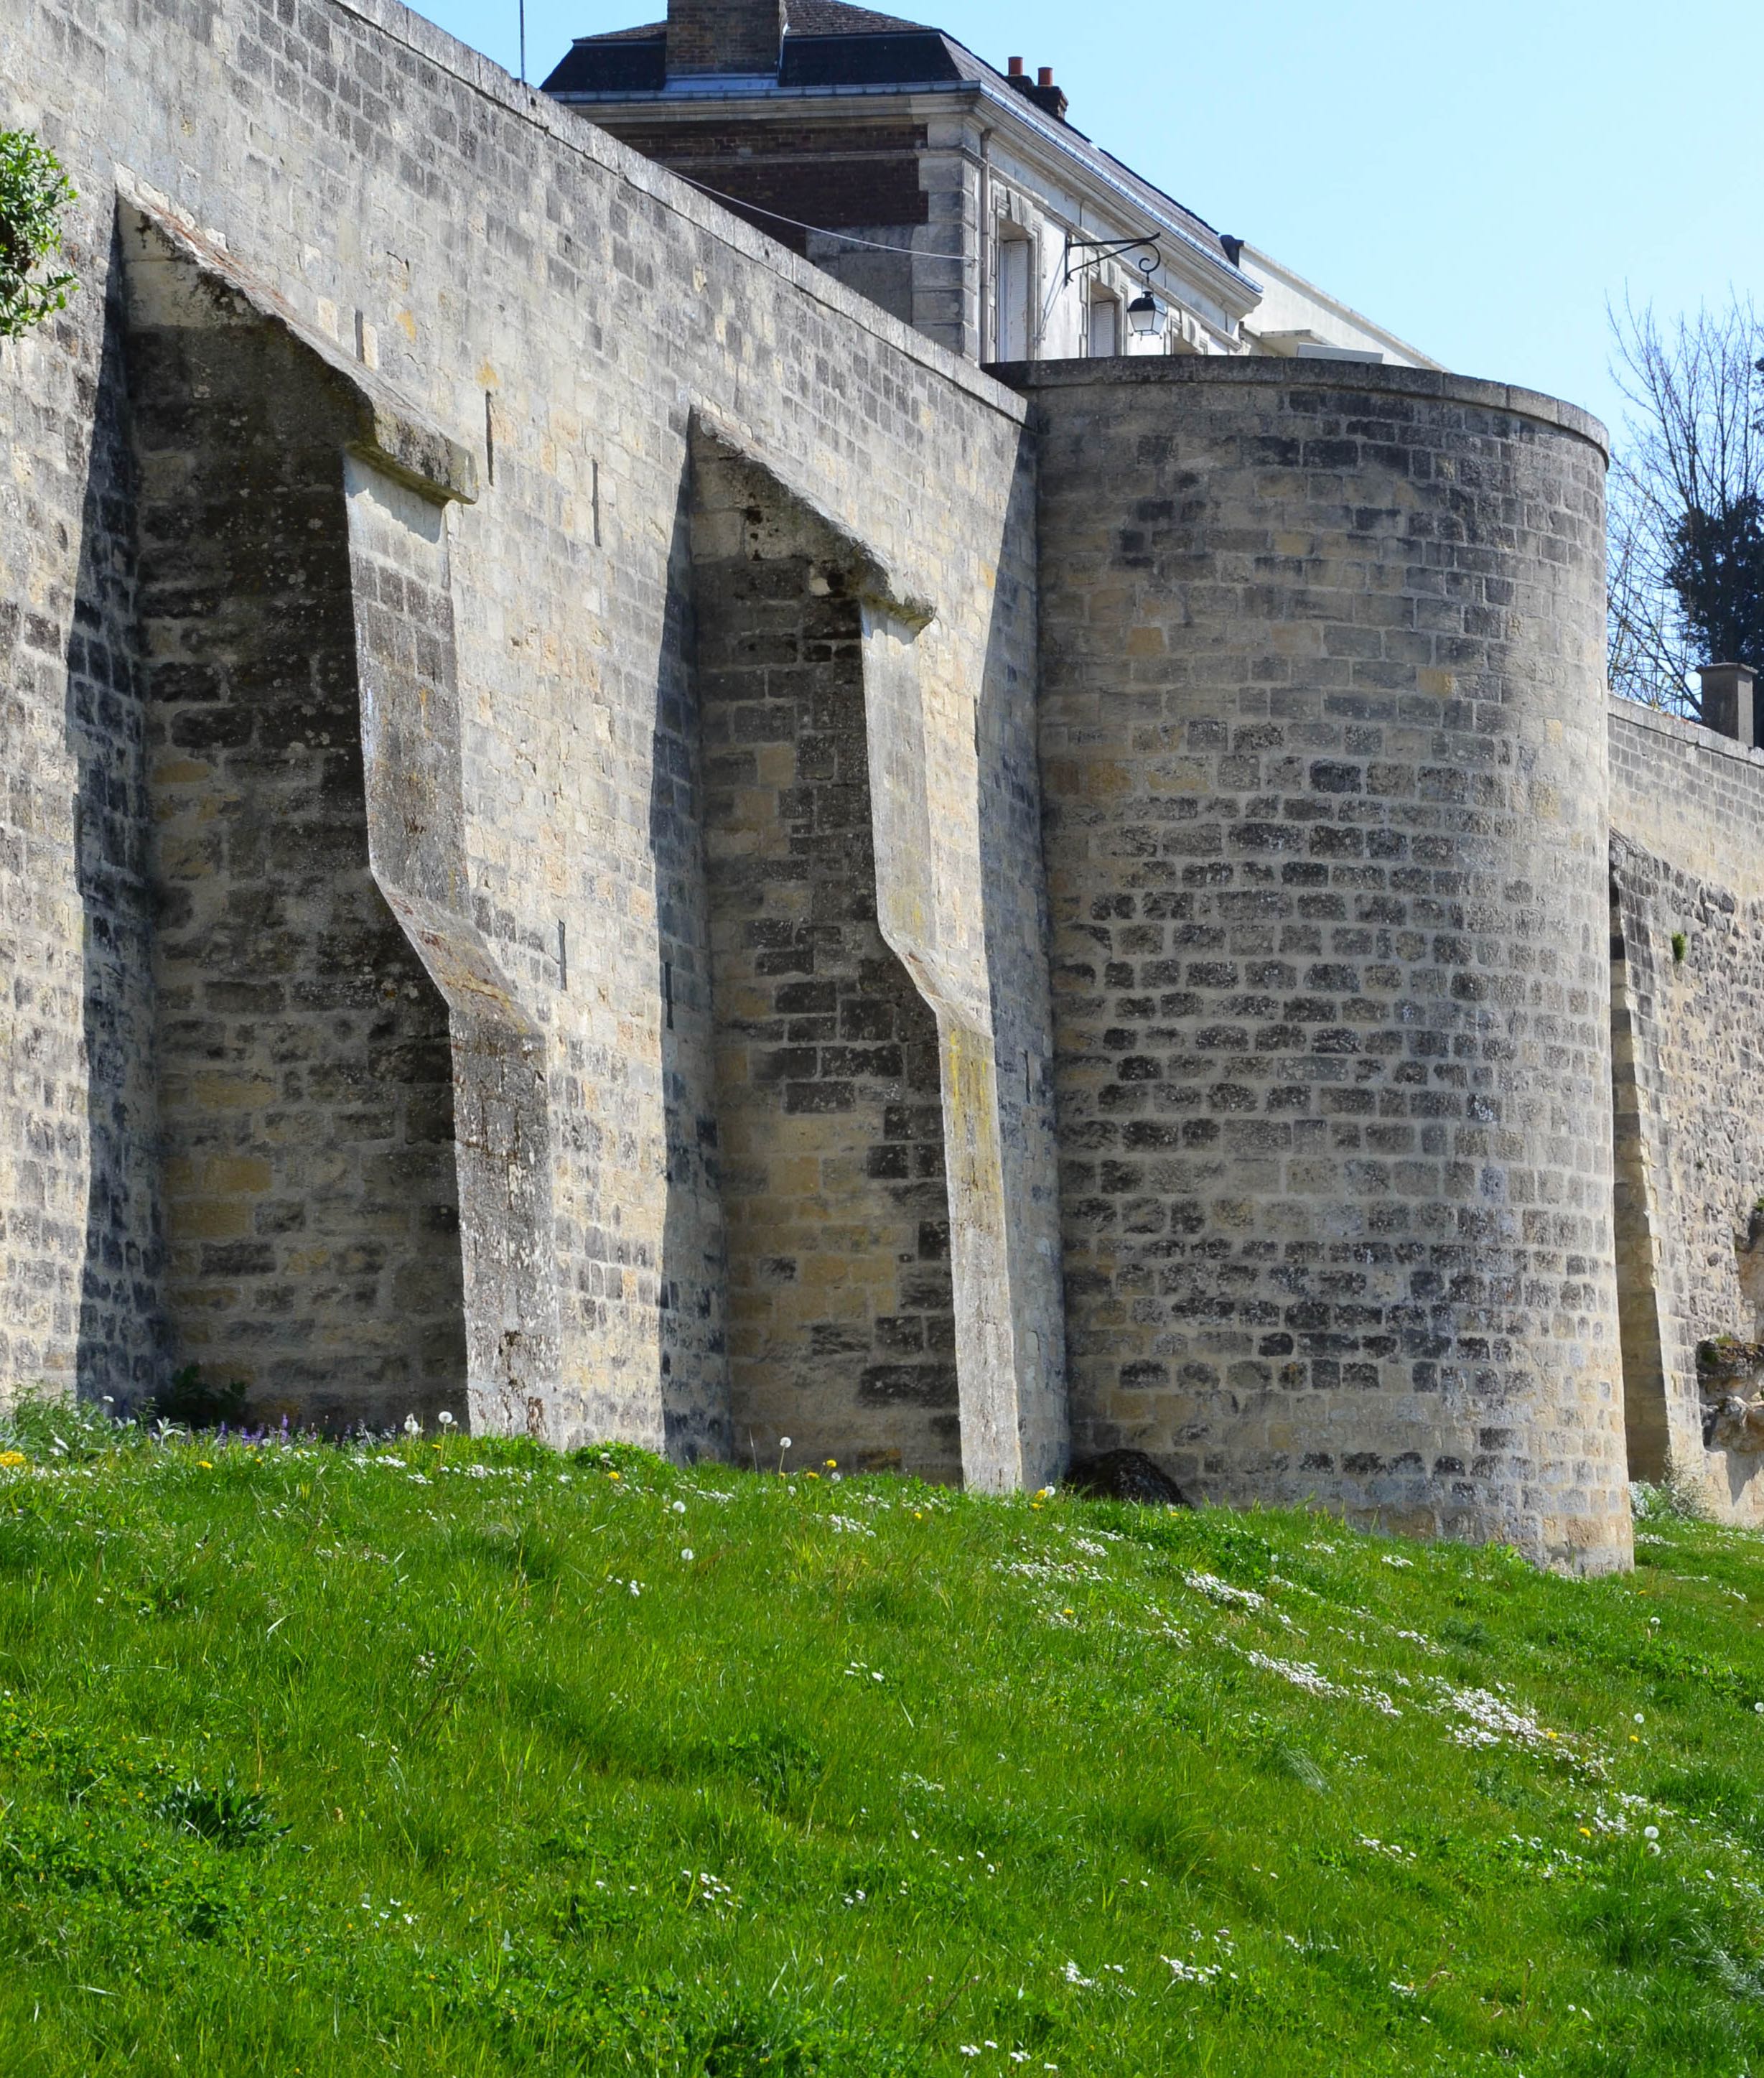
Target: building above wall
{"x": 960, "y": 198}
{"x": 1297, "y": 319}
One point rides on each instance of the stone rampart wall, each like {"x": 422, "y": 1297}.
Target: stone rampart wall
{"x": 565, "y": 313}
{"x": 1687, "y": 962}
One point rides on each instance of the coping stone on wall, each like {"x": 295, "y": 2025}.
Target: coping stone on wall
{"x": 1271, "y": 372}
{"x": 1691, "y": 800}
{"x": 392, "y": 433}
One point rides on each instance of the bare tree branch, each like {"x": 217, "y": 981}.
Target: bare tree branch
{"x": 1690, "y": 465}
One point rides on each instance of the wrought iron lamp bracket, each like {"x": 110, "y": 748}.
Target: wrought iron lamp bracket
{"x": 1100, "y": 249}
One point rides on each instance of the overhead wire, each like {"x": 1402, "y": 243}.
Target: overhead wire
{"x": 844, "y": 237}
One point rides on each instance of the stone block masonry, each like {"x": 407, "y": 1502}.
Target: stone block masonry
{"x": 1324, "y": 764}
{"x": 593, "y": 823}
{"x": 500, "y": 277}
{"x": 828, "y": 1090}
{"x": 308, "y": 1185}
{"x": 1688, "y": 994}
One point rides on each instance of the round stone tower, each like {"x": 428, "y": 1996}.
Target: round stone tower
{"x": 1323, "y": 738}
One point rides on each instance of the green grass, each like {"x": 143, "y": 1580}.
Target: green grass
{"x": 474, "y": 1760}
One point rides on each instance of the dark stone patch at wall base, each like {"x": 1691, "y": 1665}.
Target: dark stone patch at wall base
{"x": 1323, "y": 757}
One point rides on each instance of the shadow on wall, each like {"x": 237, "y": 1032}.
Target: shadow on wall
{"x": 306, "y": 1170}
{"x": 807, "y": 1205}
{"x": 691, "y": 1275}
{"x": 120, "y": 1353}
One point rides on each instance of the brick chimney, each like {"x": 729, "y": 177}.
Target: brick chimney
{"x": 1041, "y": 90}
{"x": 1728, "y": 704}
{"x": 711, "y": 36}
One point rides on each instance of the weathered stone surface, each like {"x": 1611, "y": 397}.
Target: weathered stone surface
{"x": 480, "y": 296}
{"x": 303, "y": 1068}
{"x": 529, "y": 718}
{"x": 1687, "y": 996}
{"x": 1324, "y": 763}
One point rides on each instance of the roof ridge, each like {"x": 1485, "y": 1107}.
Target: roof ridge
{"x": 802, "y": 17}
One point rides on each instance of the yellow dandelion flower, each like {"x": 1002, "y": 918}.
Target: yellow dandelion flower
{"x": 11, "y": 1457}
{"x": 205, "y": 1464}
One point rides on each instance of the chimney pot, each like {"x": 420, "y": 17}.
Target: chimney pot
{"x": 1013, "y": 68}
{"x": 1044, "y": 77}
{"x": 1728, "y": 706}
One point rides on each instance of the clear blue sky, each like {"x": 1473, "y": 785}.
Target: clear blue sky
{"x": 1480, "y": 178}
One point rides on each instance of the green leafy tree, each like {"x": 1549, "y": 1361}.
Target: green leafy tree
{"x": 1716, "y": 573}
{"x": 33, "y": 191}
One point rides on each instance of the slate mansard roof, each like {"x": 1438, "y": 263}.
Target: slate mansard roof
{"x": 827, "y": 43}
{"x": 829, "y": 48}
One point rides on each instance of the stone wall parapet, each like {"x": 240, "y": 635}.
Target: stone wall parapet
{"x": 1436, "y": 388}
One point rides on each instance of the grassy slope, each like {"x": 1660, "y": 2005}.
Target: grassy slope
{"x": 877, "y": 1778}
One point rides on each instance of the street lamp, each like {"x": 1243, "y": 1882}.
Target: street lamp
{"x": 1145, "y": 314}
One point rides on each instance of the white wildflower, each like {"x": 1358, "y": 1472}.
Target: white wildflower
{"x": 1190, "y": 1973}
{"x": 1299, "y": 1672}
{"x": 1222, "y": 1592}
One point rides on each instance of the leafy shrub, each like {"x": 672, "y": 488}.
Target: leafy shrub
{"x": 229, "y": 1816}
{"x": 1674, "y": 1499}
{"x": 47, "y": 1426}
{"x": 193, "y": 1404}
{"x": 33, "y": 193}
